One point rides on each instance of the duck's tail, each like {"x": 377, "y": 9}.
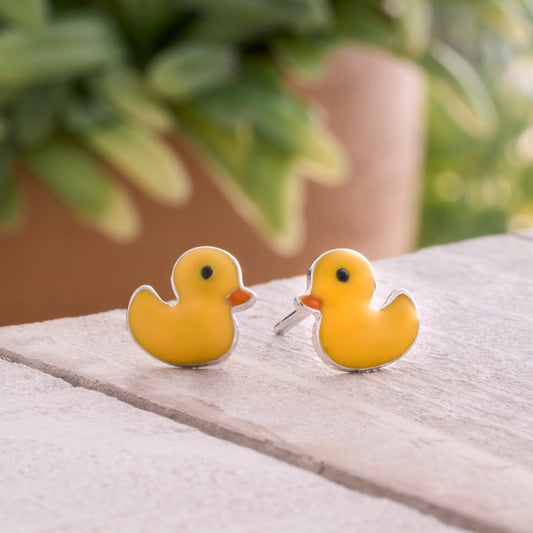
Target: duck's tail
{"x": 149, "y": 319}
{"x": 400, "y": 313}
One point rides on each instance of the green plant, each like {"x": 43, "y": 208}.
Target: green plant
{"x": 87, "y": 82}
{"x": 480, "y": 180}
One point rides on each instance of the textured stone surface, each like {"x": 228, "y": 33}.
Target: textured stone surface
{"x": 76, "y": 460}
{"x": 447, "y": 429}
{"x": 528, "y": 233}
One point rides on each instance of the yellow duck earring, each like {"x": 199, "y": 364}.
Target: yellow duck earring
{"x": 348, "y": 333}
{"x": 200, "y": 329}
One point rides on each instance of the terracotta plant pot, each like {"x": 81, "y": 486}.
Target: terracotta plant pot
{"x": 58, "y": 267}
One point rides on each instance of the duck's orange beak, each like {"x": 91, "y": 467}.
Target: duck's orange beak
{"x": 239, "y": 297}
{"x": 311, "y": 301}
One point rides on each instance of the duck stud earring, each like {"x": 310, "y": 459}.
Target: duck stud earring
{"x": 348, "y": 334}
{"x": 200, "y": 329}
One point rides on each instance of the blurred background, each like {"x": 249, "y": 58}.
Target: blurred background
{"x": 132, "y": 130}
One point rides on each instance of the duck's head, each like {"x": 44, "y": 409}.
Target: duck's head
{"x": 338, "y": 277}
{"x": 211, "y": 273}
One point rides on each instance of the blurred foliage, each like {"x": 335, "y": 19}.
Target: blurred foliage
{"x": 480, "y": 182}
{"x": 88, "y": 85}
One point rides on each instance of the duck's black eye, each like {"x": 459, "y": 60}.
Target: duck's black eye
{"x": 342, "y": 275}
{"x": 207, "y": 272}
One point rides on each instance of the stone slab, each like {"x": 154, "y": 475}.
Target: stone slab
{"x": 75, "y": 460}
{"x": 447, "y": 430}
{"x": 527, "y": 233}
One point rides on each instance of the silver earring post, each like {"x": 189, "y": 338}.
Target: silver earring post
{"x": 292, "y": 319}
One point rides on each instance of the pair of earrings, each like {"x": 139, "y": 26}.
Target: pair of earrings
{"x": 201, "y": 329}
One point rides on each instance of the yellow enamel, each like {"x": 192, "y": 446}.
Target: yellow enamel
{"x": 197, "y": 330}
{"x": 351, "y": 333}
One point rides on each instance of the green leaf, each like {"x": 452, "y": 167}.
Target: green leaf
{"x": 415, "y": 23}
{"x": 325, "y": 160}
{"x": 257, "y": 177}
{"x": 304, "y": 57}
{"x": 527, "y": 6}
{"x": 138, "y": 153}
{"x": 508, "y": 18}
{"x": 10, "y": 205}
{"x": 315, "y": 15}
{"x": 268, "y": 110}
{"x": 119, "y": 220}
{"x": 145, "y": 17}
{"x": 79, "y": 180}
{"x": 237, "y": 20}
{"x": 7, "y": 96}
{"x": 24, "y": 12}
{"x": 36, "y": 112}
{"x": 124, "y": 90}
{"x": 365, "y": 22}
{"x": 62, "y": 49}
{"x": 71, "y": 174}
{"x": 457, "y": 86}
{"x": 84, "y": 112}
{"x": 184, "y": 70}
{"x": 5, "y": 128}
{"x": 145, "y": 20}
